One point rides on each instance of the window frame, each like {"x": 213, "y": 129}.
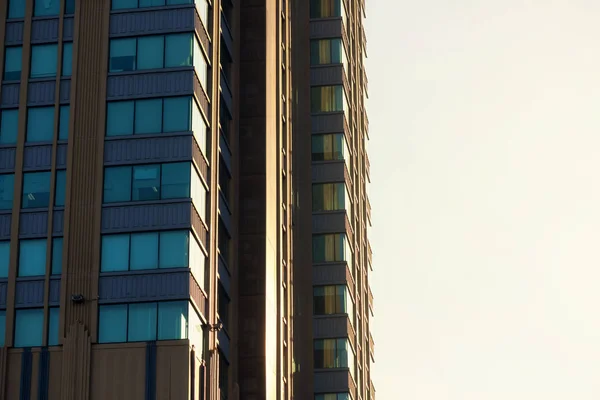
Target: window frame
{"x": 8, "y": 49}
{"x": 158, "y": 267}
{"x": 157, "y": 304}
{"x": 47, "y": 76}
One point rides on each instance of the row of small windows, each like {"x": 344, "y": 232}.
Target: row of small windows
{"x": 164, "y": 320}
{"x": 157, "y": 52}
{"x": 44, "y": 63}
{"x": 41, "y": 8}
{"x": 36, "y": 190}
{"x": 329, "y": 300}
{"x": 334, "y": 353}
{"x": 32, "y": 257}
{"x": 332, "y": 247}
{"x": 29, "y": 327}
{"x": 40, "y": 124}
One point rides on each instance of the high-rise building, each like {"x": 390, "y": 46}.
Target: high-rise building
{"x": 183, "y": 209}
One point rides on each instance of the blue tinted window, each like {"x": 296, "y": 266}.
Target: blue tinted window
{"x": 142, "y": 322}
{"x": 177, "y": 114}
{"x": 40, "y": 124}
{"x": 174, "y": 2}
{"x": 63, "y": 122}
{"x": 43, "y": 60}
{"x": 9, "y": 126}
{"x": 151, "y": 3}
{"x": 115, "y": 253}
{"x": 67, "y": 61}
{"x": 150, "y": 52}
{"x": 148, "y": 116}
{"x": 175, "y": 181}
{"x": 69, "y": 6}
{"x": 112, "y": 324}
{"x": 29, "y": 325}
{"x": 32, "y": 257}
{"x": 12, "y": 63}
{"x": 36, "y": 190}
{"x": 146, "y": 182}
{"x": 122, "y": 55}
{"x": 179, "y": 50}
{"x": 61, "y": 183}
{"x": 57, "y": 253}
{"x": 124, "y": 4}
{"x": 7, "y": 185}
{"x": 117, "y": 184}
{"x": 2, "y": 327}
{"x": 16, "y": 8}
{"x": 4, "y": 258}
{"x": 172, "y": 320}
{"x": 46, "y": 7}
{"x": 174, "y": 249}
{"x": 119, "y": 120}
{"x": 53, "y": 319}
{"x": 144, "y": 251}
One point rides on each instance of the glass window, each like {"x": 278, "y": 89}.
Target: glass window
{"x": 334, "y": 396}
{"x": 330, "y": 248}
{"x": 16, "y": 8}
{"x": 115, "y": 253}
{"x": 150, "y": 52}
{"x": 176, "y": 2}
{"x": 124, "y": 4}
{"x": 4, "y": 258}
{"x": 174, "y": 249}
{"x": 36, "y": 190}
{"x": 142, "y": 322}
{"x": 326, "y": 98}
{"x": 69, "y": 6}
{"x": 119, "y": 118}
{"x": 7, "y": 185}
{"x": 329, "y": 197}
{"x": 175, "y": 180}
{"x": 223, "y": 302}
{"x": 148, "y": 116}
{"x": 328, "y": 147}
{"x": 9, "y": 126}
{"x": 151, "y": 3}
{"x": 325, "y": 8}
{"x": 67, "y": 59}
{"x": 57, "y": 255}
{"x": 29, "y": 327}
{"x": 12, "y": 63}
{"x": 146, "y": 182}
{"x": 333, "y": 353}
{"x": 144, "y": 251}
{"x": 2, "y": 327}
{"x": 326, "y": 51}
{"x": 112, "y": 324}
{"x": 40, "y": 124}
{"x": 53, "y": 327}
{"x": 32, "y": 257}
{"x": 43, "y": 61}
{"x": 63, "y": 122}
{"x": 179, "y": 50}
{"x": 117, "y": 184}
{"x": 46, "y": 7}
{"x": 172, "y": 320}
{"x": 122, "y": 55}
{"x": 332, "y": 300}
{"x": 177, "y": 114}
{"x": 61, "y": 183}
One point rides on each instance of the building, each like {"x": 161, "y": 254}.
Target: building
{"x": 183, "y": 208}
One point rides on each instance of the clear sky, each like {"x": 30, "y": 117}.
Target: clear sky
{"x": 485, "y": 162}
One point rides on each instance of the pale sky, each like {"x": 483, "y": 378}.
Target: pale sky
{"x": 485, "y": 161}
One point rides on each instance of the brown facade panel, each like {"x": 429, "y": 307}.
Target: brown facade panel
{"x": 13, "y": 374}
{"x": 334, "y": 381}
{"x": 200, "y": 162}
{"x": 44, "y": 30}
{"x": 41, "y": 93}
{"x": 55, "y": 374}
{"x": 173, "y": 374}
{"x": 202, "y": 98}
{"x": 7, "y": 159}
{"x": 198, "y": 295}
{"x": 119, "y": 372}
{"x": 11, "y": 94}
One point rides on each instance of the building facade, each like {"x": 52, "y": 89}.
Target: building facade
{"x": 183, "y": 207}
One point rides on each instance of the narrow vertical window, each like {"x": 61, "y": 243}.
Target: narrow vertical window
{"x": 9, "y": 126}
{"x": 12, "y": 63}
{"x": 40, "y": 124}
{"x": 61, "y": 183}
{"x": 57, "y": 253}
{"x": 112, "y": 324}
{"x": 67, "y": 59}
{"x": 7, "y": 186}
{"x": 53, "y": 326}
{"x": 4, "y": 258}
{"x": 36, "y": 190}
{"x": 63, "y": 122}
